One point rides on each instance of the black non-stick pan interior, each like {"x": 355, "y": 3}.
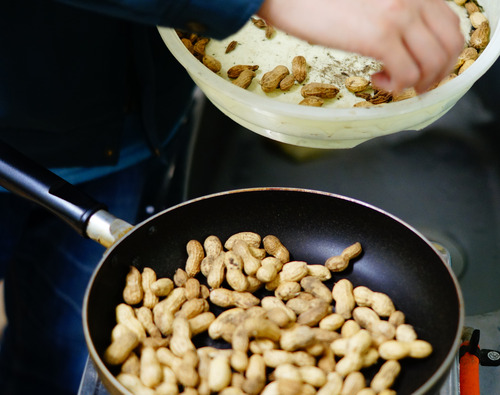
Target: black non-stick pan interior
{"x": 313, "y": 226}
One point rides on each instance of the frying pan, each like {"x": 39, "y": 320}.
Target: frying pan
{"x": 314, "y": 225}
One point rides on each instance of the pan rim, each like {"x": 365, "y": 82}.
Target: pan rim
{"x": 438, "y": 375}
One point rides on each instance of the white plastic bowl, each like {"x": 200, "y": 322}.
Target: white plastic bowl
{"x": 334, "y": 128}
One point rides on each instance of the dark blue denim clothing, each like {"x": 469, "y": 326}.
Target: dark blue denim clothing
{"x": 49, "y": 265}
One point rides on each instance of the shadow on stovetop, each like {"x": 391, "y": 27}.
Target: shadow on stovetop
{"x": 443, "y": 180}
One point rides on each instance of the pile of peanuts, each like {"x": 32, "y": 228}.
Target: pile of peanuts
{"x": 302, "y": 338}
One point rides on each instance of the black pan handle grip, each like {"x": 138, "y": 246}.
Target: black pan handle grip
{"x": 32, "y": 181}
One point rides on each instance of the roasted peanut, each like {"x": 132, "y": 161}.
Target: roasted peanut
{"x": 134, "y": 384}
{"x": 219, "y": 375}
{"x": 201, "y": 322}
{"x": 275, "y": 358}
{"x": 342, "y": 293}
{"x": 253, "y": 284}
{"x": 217, "y": 272}
{"x": 213, "y": 247}
{"x": 332, "y": 322}
{"x": 133, "y": 292}
{"x": 162, "y": 287}
{"x": 260, "y": 346}
{"x": 235, "y": 71}
{"x": 468, "y": 53}
{"x": 155, "y": 342}
{"x": 404, "y": 94}
{"x": 316, "y": 288}
{"x": 386, "y": 375}
{"x": 279, "y": 317}
{"x": 287, "y": 82}
{"x": 325, "y": 336}
{"x": 340, "y": 262}
{"x": 164, "y": 311}
{"x": 244, "y": 79}
{"x": 262, "y": 328}
{"x": 251, "y": 238}
{"x": 184, "y": 368}
{"x": 321, "y": 272}
{"x": 326, "y": 362}
{"x": 471, "y": 7}
{"x": 132, "y": 365}
{"x": 274, "y": 247}
{"x": 192, "y": 308}
{"x": 272, "y": 303}
{"x": 151, "y": 372}
{"x": 365, "y": 316}
{"x": 222, "y": 297}
{"x": 397, "y": 318}
{"x": 245, "y": 299}
{"x": 270, "y": 80}
{"x": 290, "y": 386}
{"x": 353, "y": 383}
{"x": 226, "y": 323}
{"x": 234, "y": 271}
{"x": 288, "y": 290}
{"x": 465, "y": 66}
{"x": 211, "y": 63}
{"x": 148, "y": 278}
{"x": 255, "y": 375}
{"x": 406, "y": 333}
{"x": 356, "y": 84}
{"x": 193, "y": 288}
{"x": 319, "y": 89}
{"x": 180, "y": 277}
{"x": 199, "y": 47}
{"x": 299, "y": 68}
{"x": 195, "y": 256}
{"x": 350, "y": 328}
{"x": 333, "y": 384}
{"x": 250, "y": 263}
{"x": 477, "y": 18}
{"x": 480, "y": 37}
{"x": 319, "y": 309}
{"x": 394, "y": 349}
{"x": 378, "y": 301}
{"x": 312, "y": 375}
{"x": 123, "y": 341}
{"x": 299, "y": 304}
{"x": 349, "y": 363}
{"x": 293, "y": 271}
{"x": 181, "y": 343}
{"x": 312, "y": 101}
{"x": 145, "y": 316}
{"x": 296, "y": 338}
{"x": 125, "y": 315}
{"x": 167, "y": 388}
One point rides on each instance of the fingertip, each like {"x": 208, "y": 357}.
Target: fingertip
{"x": 382, "y": 80}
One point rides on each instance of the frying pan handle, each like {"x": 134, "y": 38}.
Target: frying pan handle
{"x": 32, "y": 181}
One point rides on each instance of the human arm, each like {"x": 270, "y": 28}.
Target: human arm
{"x": 418, "y": 41}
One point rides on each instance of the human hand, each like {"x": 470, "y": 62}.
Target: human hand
{"x": 418, "y": 41}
